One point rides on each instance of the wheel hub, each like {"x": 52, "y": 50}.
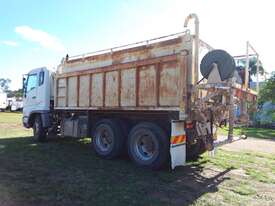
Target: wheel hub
{"x": 104, "y": 140}
{"x": 145, "y": 147}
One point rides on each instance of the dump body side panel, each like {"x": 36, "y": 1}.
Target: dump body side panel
{"x": 138, "y": 79}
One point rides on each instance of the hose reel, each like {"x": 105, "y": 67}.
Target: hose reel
{"x": 225, "y": 64}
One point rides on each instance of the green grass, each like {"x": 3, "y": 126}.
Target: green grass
{"x": 67, "y": 172}
{"x": 11, "y": 125}
{"x": 260, "y": 167}
{"x": 12, "y": 118}
{"x": 244, "y": 189}
{"x": 261, "y": 133}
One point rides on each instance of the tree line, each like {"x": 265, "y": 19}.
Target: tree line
{"x": 5, "y": 87}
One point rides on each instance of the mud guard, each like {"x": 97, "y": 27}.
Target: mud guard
{"x": 177, "y": 144}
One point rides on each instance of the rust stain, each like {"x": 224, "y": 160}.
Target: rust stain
{"x": 147, "y": 86}
{"x": 111, "y": 89}
{"x": 169, "y": 84}
{"x": 120, "y": 66}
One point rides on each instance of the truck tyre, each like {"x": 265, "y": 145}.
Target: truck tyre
{"x": 148, "y": 145}
{"x": 39, "y": 133}
{"x": 108, "y": 139}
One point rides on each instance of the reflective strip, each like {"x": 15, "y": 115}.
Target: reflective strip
{"x": 189, "y": 124}
{"x": 177, "y": 145}
{"x": 178, "y": 139}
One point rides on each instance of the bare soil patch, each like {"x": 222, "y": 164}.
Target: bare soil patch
{"x": 252, "y": 145}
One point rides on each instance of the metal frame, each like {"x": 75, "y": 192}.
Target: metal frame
{"x": 247, "y": 56}
{"x": 249, "y": 46}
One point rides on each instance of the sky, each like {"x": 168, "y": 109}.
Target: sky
{"x": 40, "y": 33}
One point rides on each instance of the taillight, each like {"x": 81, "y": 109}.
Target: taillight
{"x": 189, "y": 125}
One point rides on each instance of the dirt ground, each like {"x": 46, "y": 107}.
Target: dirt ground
{"x": 252, "y": 145}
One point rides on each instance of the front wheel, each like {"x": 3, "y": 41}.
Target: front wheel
{"x": 39, "y": 133}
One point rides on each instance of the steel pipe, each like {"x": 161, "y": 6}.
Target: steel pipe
{"x": 246, "y": 80}
{"x": 197, "y": 41}
{"x": 257, "y": 75}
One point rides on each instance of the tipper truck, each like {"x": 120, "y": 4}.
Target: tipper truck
{"x": 143, "y": 98}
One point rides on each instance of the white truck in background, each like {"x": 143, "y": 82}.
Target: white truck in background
{"x": 144, "y": 98}
{"x": 16, "y": 105}
{"x": 3, "y": 101}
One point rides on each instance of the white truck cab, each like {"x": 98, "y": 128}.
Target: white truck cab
{"x": 37, "y": 96}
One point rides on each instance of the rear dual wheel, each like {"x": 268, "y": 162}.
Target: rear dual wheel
{"x": 108, "y": 138}
{"x": 148, "y": 145}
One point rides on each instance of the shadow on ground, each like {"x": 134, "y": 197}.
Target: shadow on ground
{"x": 67, "y": 172}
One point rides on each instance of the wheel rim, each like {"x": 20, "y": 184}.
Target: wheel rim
{"x": 146, "y": 146}
{"x": 104, "y": 139}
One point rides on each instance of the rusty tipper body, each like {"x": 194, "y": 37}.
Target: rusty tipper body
{"x": 144, "y": 97}
{"x": 144, "y": 78}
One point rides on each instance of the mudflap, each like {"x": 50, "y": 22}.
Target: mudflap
{"x": 177, "y": 144}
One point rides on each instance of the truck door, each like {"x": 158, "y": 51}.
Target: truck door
{"x": 30, "y": 93}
